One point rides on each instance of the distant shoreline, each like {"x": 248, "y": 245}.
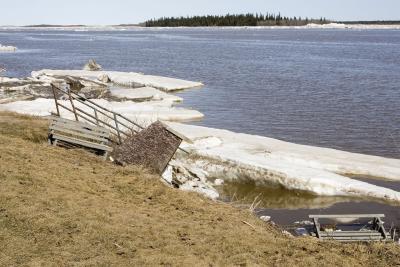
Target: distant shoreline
{"x": 371, "y": 22}
{"x": 364, "y": 26}
{"x": 140, "y": 25}
{"x": 73, "y": 26}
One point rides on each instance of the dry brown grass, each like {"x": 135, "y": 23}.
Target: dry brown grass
{"x": 68, "y": 208}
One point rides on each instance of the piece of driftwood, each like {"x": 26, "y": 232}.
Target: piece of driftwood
{"x": 152, "y": 147}
{"x": 67, "y": 132}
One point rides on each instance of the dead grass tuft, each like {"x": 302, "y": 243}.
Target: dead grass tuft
{"x": 67, "y": 207}
{"x": 26, "y": 127}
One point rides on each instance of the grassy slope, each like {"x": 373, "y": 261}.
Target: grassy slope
{"x": 60, "y": 207}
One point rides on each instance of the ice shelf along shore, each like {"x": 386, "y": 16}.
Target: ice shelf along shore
{"x": 143, "y": 113}
{"x": 215, "y": 153}
{"x": 123, "y": 92}
{"x": 264, "y": 160}
{"x": 128, "y": 79}
{"x": 142, "y": 94}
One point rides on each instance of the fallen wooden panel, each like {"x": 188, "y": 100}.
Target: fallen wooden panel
{"x": 152, "y": 148}
{"x": 350, "y": 233}
{"x": 355, "y": 216}
{"x": 79, "y": 134}
{"x": 376, "y": 233}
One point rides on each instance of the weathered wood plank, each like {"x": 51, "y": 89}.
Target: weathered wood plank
{"x": 78, "y": 133}
{"x": 360, "y": 241}
{"x": 89, "y": 126}
{"x": 353, "y": 232}
{"x": 381, "y": 228}
{"x": 81, "y": 128}
{"x": 330, "y": 216}
{"x": 345, "y": 233}
{"x": 82, "y": 142}
{"x": 317, "y": 227}
{"x": 345, "y": 238}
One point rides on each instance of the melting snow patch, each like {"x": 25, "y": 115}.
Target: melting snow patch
{"x": 208, "y": 142}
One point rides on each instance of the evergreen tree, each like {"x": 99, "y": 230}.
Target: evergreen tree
{"x": 269, "y": 19}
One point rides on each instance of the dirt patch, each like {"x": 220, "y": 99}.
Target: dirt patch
{"x": 67, "y": 207}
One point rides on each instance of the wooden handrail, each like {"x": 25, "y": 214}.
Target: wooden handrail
{"x": 97, "y": 109}
{"x": 78, "y": 97}
{"x": 118, "y": 119}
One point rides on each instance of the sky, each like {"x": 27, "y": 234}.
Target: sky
{"x": 108, "y": 12}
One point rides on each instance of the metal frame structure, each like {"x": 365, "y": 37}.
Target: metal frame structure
{"x": 377, "y": 233}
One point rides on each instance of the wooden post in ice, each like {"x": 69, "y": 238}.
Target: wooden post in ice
{"x": 55, "y": 99}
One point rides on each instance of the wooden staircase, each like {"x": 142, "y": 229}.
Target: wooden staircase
{"x": 95, "y": 114}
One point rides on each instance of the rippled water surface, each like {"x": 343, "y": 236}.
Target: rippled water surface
{"x": 333, "y": 88}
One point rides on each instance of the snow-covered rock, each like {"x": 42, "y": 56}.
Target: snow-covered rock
{"x": 201, "y": 188}
{"x": 190, "y": 178}
{"x": 198, "y": 173}
{"x": 104, "y": 78}
{"x": 92, "y": 65}
{"x": 167, "y": 175}
{"x": 218, "y": 182}
{"x": 265, "y": 218}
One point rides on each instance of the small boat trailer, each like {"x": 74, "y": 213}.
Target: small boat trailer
{"x": 370, "y": 231}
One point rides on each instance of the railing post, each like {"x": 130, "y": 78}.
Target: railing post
{"x": 97, "y": 118}
{"x": 116, "y": 126}
{"x": 72, "y": 103}
{"x": 55, "y": 99}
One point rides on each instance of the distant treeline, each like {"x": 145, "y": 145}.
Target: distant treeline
{"x": 233, "y": 20}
